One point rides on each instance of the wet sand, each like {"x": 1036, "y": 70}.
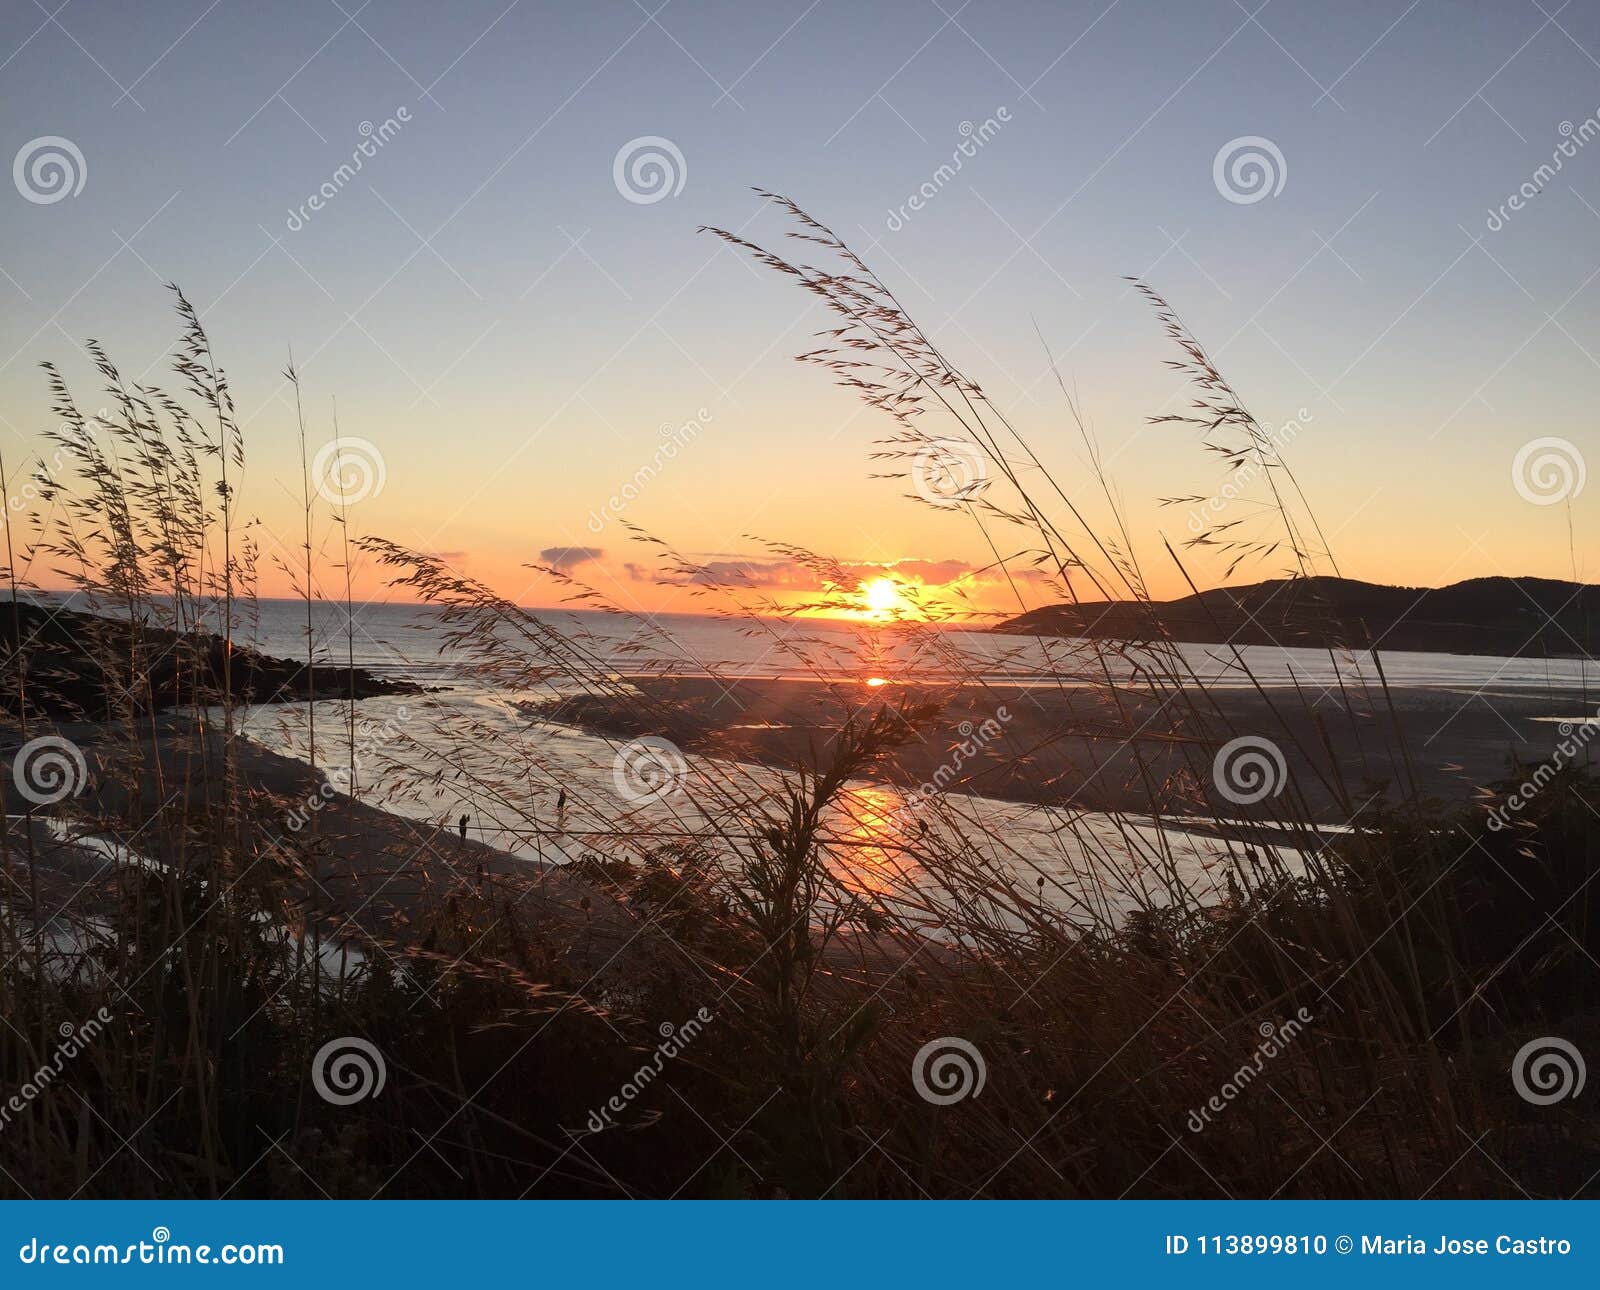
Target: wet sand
{"x": 1100, "y": 749}
{"x": 365, "y": 875}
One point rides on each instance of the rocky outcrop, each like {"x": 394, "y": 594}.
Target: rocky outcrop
{"x": 72, "y": 666}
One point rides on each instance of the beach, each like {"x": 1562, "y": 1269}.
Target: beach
{"x": 373, "y": 857}
{"x": 1101, "y": 749}
{"x": 359, "y": 875}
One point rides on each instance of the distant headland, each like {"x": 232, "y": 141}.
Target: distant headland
{"x": 1508, "y": 617}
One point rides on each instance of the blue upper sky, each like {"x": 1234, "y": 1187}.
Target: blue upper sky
{"x": 492, "y": 310}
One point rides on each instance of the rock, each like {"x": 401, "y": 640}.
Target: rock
{"x": 88, "y": 667}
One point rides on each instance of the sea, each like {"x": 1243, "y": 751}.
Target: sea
{"x": 410, "y": 641}
{"x": 470, "y": 752}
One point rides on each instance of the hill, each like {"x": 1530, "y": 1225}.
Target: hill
{"x": 1509, "y": 617}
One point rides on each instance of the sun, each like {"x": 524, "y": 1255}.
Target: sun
{"x": 877, "y": 600}
{"x": 883, "y": 597}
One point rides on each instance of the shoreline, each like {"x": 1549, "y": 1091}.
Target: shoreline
{"x": 365, "y": 874}
{"x": 1073, "y": 748}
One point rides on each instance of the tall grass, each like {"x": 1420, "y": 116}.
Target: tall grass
{"x": 1109, "y": 993}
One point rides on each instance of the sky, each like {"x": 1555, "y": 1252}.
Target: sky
{"x": 513, "y": 318}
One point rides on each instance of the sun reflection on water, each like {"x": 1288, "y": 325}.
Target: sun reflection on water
{"x": 873, "y": 837}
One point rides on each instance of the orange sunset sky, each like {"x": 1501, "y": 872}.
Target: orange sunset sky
{"x": 516, "y": 323}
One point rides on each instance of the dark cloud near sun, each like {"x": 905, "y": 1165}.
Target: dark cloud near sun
{"x": 569, "y": 557}
{"x": 787, "y": 574}
{"x": 792, "y": 575}
{"x": 933, "y": 572}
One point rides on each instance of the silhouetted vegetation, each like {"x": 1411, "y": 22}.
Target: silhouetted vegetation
{"x": 816, "y": 948}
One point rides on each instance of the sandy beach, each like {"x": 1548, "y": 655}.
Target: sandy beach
{"x": 373, "y": 880}
{"x": 365, "y": 875}
{"x": 1104, "y": 749}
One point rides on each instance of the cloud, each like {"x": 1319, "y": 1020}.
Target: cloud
{"x": 781, "y": 573}
{"x": 569, "y": 557}
{"x": 935, "y": 573}
{"x": 787, "y": 574}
